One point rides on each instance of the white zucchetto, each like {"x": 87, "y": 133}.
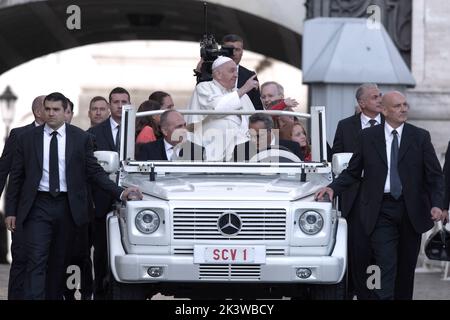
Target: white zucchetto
{"x": 220, "y": 60}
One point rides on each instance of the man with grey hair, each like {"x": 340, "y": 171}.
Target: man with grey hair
{"x": 220, "y": 133}
{"x": 272, "y": 97}
{"x": 17, "y": 271}
{"x": 263, "y": 138}
{"x": 368, "y": 97}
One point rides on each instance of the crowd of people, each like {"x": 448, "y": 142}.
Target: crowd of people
{"x": 58, "y": 196}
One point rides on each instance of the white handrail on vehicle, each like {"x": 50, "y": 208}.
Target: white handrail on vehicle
{"x": 227, "y": 113}
{"x": 163, "y": 167}
{"x": 317, "y": 116}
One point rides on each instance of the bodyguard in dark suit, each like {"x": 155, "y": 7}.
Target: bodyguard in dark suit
{"x": 235, "y": 41}
{"x": 8, "y": 152}
{"x": 18, "y": 264}
{"x": 447, "y": 184}
{"x": 106, "y": 138}
{"x": 401, "y": 193}
{"x": 48, "y": 195}
{"x": 173, "y": 145}
{"x": 368, "y": 97}
{"x": 261, "y": 138}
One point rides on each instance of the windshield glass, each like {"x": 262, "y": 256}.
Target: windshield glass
{"x": 258, "y": 137}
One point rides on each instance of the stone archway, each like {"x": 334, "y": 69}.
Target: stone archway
{"x": 31, "y": 29}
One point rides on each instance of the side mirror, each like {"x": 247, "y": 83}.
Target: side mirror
{"x": 109, "y": 160}
{"x": 340, "y": 162}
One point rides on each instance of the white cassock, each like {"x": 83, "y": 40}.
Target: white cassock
{"x": 219, "y": 134}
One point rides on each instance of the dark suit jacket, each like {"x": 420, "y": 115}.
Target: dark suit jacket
{"x": 250, "y": 150}
{"x": 419, "y": 170}
{"x": 344, "y": 141}
{"x": 103, "y": 141}
{"x": 254, "y": 94}
{"x": 102, "y": 134}
{"x": 447, "y": 178}
{"x": 156, "y": 151}
{"x": 81, "y": 166}
{"x": 8, "y": 153}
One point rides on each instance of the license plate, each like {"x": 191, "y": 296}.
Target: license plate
{"x": 229, "y": 254}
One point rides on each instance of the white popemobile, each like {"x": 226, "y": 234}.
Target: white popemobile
{"x": 226, "y": 230}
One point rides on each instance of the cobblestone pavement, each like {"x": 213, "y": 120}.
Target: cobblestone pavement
{"x": 428, "y": 286}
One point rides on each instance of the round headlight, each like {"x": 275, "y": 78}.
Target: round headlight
{"x": 310, "y": 222}
{"x": 147, "y": 221}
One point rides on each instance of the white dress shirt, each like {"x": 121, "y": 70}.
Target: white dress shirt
{"x": 389, "y": 137}
{"x": 114, "y": 128}
{"x": 61, "y": 136}
{"x": 170, "y": 149}
{"x": 365, "y": 121}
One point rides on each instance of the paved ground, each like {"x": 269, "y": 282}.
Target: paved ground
{"x": 429, "y": 286}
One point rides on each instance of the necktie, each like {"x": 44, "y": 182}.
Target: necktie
{"x": 174, "y": 154}
{"x": 54, "y": 166}
{"x": 396, "y": 184}
{"x": 118, "y": 138}
{"x": 372, "y": 122}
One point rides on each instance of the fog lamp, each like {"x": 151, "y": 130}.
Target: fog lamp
{"x": 155, "y": 272}
{"x": 303, "y": 273}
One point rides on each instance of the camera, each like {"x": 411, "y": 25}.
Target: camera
{"x": 209, "y": 51}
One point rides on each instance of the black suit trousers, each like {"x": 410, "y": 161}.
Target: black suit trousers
{"x": 81, "y": 257}
{"x": 359, "y": 256}
{"x": 396, "y": 247}
{"x": 48, "y": 234}
{"x": 100, "y": 259}
{"x": 18, "y": 268}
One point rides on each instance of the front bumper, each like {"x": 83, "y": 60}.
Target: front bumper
{"x": 132, "y": 268}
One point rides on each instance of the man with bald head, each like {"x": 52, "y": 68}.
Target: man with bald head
{"x": 37, "y": 107}
{"x": 17, "y": 271}
{"x": 173, "y": 146}
{"x": 401, "y": 193}
{"x": 218, "y": 133}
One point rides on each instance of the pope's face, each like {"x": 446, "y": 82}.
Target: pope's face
{"x": 226, "y": 74}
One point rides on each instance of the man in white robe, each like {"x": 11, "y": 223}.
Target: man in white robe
{"x": 219, "y": 134}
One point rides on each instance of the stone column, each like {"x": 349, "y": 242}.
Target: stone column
{"x": 430, "y": 99}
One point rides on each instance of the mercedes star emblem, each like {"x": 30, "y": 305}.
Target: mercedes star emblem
{"x": 229, "y": 224}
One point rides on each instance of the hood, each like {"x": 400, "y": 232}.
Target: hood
{"x": 226, "y": 187}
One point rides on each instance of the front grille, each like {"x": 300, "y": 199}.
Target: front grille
{"x": 189, "y": 251}
{"x": 229, "y": 272}
{"x": 201, "y": 224}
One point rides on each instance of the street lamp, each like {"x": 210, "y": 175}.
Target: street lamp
{"x": 7, "y": 103}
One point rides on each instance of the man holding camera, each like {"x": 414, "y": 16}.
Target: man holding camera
{"x": 235, "y": 41}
